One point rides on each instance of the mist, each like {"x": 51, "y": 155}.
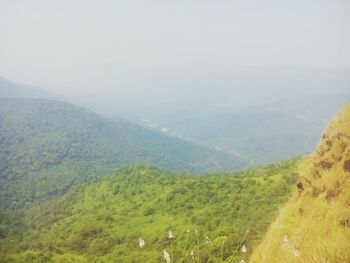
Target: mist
{"x": 131, "y": 57}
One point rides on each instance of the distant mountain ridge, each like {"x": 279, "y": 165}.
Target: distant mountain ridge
{"x": 260, "y": 134}
{"x": 46, "y": 146}
{"x": 12, "y": 89}
{"x": 256, "y": 134}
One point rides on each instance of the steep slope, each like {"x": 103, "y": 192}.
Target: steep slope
{"x": 314, "y": 226}
{"x": 46, "y": 146}
{"x": 102, "y": 220}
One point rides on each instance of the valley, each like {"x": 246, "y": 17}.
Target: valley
{"x": 80, "y": 187}
{"x": 175, "y": 131}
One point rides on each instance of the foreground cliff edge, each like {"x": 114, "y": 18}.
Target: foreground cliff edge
{"x": 314, "y": 226}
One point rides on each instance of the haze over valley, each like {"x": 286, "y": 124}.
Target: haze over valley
{"x": 184, "y": 131}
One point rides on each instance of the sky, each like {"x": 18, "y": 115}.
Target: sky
{"x": 133, "y": 51}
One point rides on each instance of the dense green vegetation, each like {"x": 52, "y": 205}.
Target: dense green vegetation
{"x": 47, "y": 146}
{"x": 59, "y": 202}
{"x": 102, "y": 220}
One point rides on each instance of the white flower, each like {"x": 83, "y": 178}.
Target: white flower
{"x": 244, "y": 249}
{"x": 141, "y": 243}
{"x": 242, "y": 261}
{"x": 166, "y": 256}
{"x": 170, "y": 234}
{"x": 192, "y": 253}
{"x": 296, "y": 253}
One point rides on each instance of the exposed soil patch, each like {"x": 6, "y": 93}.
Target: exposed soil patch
{"x": 300, "y": 186}
{"x": 345, "y": 222}
{"x": 301, "y": 211}
{"x": 347, "y": 166}
{"x": 316, "y": 191}
{"x": 326, "y": 165}
{"x": 329, "y": 143}
{"x": 331, "y": 193}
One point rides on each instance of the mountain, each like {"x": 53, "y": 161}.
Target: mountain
{"x": 255, "y": 133}
{"x": 102, "y": 220}
{"x": 12, "y": 89}
{"x": 204, "y": 88}
{"x": 47, "y": 146}
{"x": 314, "y": 226}
{"x": 258, "y": 133}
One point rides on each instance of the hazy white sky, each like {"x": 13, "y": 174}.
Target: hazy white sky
{"x": 104, "y": 46}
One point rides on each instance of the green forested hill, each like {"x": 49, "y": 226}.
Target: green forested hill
{"x": 102, "y": 220}
{"x": 46, "y": 146}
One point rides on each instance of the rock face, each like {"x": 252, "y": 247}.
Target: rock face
{"x": 317, "y": 217}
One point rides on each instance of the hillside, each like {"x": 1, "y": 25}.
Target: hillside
{"x": 10, "y": 89}
{"x": 102, "y": 220}
{"x": 258, "y": 133}
{"x": 314, "y": 226}
{"x": 46, "y": 146}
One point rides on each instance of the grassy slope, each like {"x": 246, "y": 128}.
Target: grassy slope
{"x": 102, "y": 220}
{"x": 47, "y": 146}
{"x": 316, "y": 221}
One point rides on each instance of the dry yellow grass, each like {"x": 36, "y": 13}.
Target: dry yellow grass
{"x": 314, "y": 226}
